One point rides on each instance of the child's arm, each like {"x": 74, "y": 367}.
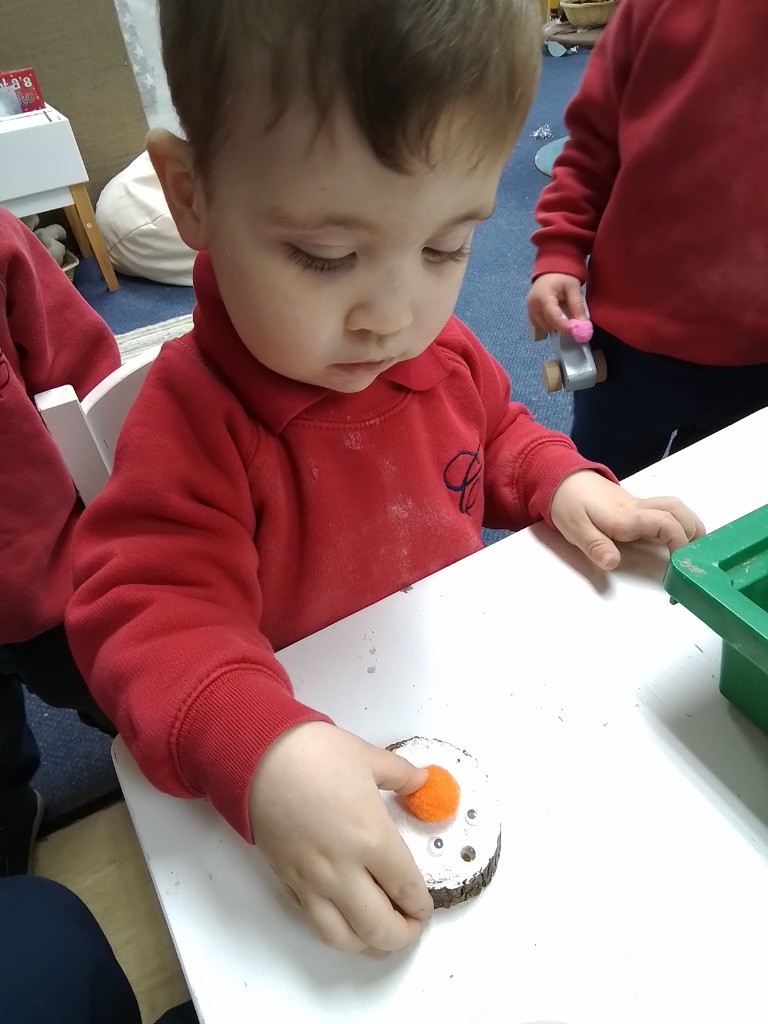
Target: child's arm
{"x": 317, "y": 817}
{"x": 57, "y": 338}
{"x": 165, "y": 619}
{"x": 531, "y": 472}
{"x": 570, "y": 208}
{"x": 165, "y": 625}
{"x": 49, "y": 336}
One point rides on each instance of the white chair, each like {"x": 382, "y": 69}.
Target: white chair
{"x": 85, "y": 432}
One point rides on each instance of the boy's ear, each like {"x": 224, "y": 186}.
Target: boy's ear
{"x": 172, "y": 159}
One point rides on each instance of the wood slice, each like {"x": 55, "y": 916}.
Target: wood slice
{"x": 457, "y": 857}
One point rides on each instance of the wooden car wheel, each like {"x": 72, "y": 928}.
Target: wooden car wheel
{"x": 600, "y": 365}
{"x": 551, "y": 375}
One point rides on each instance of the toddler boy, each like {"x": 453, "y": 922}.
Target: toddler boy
{"x": 328, "y": 433}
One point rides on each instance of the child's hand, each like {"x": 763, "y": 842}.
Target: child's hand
{"x": 592, "y": 512}
{"x": 549, "y": 296}
{"x": 318, "y": 818}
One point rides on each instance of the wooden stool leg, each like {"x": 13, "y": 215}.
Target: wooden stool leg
{"x": 84, "y": 211}
{"x": 73, "y": 218}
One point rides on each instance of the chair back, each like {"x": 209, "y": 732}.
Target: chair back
{"x": 86, "y": 432}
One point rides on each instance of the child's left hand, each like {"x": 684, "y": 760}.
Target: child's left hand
{"x": 592, "y": 512}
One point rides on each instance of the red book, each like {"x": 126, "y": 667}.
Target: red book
{"x": 23, "y": 82}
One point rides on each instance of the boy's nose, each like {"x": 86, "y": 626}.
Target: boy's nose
{"x": 383, "y": 312}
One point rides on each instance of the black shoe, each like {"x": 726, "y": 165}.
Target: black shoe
{"x": 19, "y": 825}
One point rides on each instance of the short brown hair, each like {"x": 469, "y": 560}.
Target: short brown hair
{"x": 399, "y": 65}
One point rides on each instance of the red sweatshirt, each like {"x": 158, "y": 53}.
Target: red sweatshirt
{"x": 49, "y": 336}
{"x": 663, "y": 181}
{"x": 246, "y": 511}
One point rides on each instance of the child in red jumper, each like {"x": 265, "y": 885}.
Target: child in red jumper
{"x": 662, "y": 186}
{"x": 49, "y": 336}
{"x": 328, "y": 433}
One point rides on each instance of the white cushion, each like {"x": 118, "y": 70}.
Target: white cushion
{"x": 138, "y": 228}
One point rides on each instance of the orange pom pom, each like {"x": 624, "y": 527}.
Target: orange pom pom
{"x": 437, "y": 799}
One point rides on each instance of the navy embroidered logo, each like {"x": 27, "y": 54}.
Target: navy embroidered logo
{"x": 462, "y": 474}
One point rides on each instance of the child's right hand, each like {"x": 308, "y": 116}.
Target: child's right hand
{"x": 553, "y": 300}
{"x": 318, "y": 818}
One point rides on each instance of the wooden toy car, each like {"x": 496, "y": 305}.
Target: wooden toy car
{"x": 575, "y": 365}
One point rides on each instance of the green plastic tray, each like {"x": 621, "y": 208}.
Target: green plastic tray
{"x": 723, "y": 579}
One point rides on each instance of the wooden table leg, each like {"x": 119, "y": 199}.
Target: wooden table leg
{"x": 73, "y": 218}
{"x": 83, "y": 210}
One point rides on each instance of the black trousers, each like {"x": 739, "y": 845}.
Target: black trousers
{"x": 56, "y": 964}
{"x": 44, "y": 666}
{"x": 648, "y": 401}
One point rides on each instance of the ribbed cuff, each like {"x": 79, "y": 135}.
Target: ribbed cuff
{"x": 554, "y": 260}
{"x": 224, "y": 734}
{"x": 553, "y": 465}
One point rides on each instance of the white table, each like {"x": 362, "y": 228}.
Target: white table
{"x": 41, "y": 169}
{"x": 633, "y": 884}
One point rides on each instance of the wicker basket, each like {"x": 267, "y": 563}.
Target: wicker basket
{"x": 588, "y": 14}
{"x": 70, "y": 264}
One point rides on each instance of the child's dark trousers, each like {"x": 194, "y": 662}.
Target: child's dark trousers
{"x": 56, "y": 964}
{"x": 44, "y": 666}
{"x": 629, "y": 420}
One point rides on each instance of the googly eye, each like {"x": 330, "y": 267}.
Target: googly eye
{"x": 437, "y": 847}
{"x": 472, "y": 816}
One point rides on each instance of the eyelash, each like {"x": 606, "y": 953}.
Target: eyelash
{"x": 317, "y": 263}
{"x": 309, "y": 262}
{"x": 454, "y": 256}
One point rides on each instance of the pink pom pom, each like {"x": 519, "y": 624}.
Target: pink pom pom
{"x": 581, "y": 330}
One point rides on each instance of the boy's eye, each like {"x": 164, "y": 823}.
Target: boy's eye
{"x": 318, "y": 263}
{"x": 451, "y": 256}
{"x": 322, "y": 264}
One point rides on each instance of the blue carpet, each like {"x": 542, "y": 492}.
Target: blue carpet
{"x": 77, "y": 774}
{"x": 492, "y": 299}
{"x": 136, "y": 303}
